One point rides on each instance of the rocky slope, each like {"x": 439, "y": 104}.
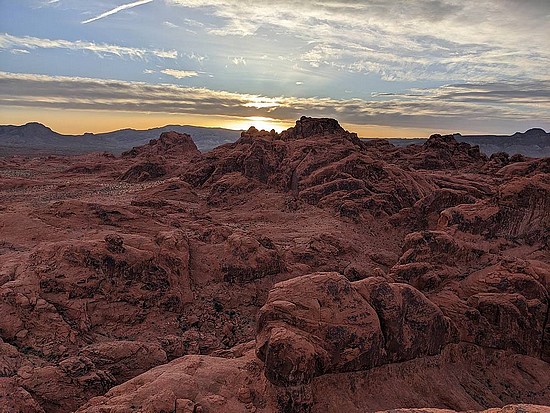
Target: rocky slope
{"x": 307, "y": 271}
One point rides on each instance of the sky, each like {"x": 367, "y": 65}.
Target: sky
{"x": 402, "y": 68}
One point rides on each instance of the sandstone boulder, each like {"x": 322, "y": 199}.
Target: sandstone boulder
{"x": 322, "y": 323}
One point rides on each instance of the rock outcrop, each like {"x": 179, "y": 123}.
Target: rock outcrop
{"x": 170, "y": 144}
{"x": 146, "y": 171}
{"x": 302, "y": 272}
{"x": 321, "y": 323}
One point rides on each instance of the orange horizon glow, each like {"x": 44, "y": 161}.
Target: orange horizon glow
{"x": 77, "y": 122}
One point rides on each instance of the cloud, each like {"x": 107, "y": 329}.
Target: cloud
{"x": 193, "y": 23}
{"x": 261, "y": 102}
{"x": 179, "y": 74}
{"x": 27, "y": 42}
{"x": 399, "y": 40}
{"x": 48, "y": 3}
{"x": 532, "y": 93}
{"x": 117, "y": 10}
{"x": 238, "y": 61}
{"x": 195, "y": 56}
{"x": 452, "y": 106}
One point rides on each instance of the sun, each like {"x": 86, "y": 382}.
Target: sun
{"x": 259, "y": 122}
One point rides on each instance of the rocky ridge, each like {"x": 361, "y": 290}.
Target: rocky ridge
{"x": 307, "y": 271}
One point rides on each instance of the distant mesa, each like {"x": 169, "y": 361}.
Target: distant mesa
{"x": 34, "y": 128}
{"x": 533, "y": 132}
{"x": 36, "y": 125}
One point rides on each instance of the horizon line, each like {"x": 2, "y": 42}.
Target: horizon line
{"x": 243, "y": 130}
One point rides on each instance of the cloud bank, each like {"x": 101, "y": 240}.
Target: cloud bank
{"x": 435, "y": 107}
{"x": 399, "y": 40}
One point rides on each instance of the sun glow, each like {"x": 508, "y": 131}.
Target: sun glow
{"x": 259, "y": 123}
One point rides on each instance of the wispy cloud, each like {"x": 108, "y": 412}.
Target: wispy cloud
{"x": 195, "y": 56}
{"x": 19, "y": 51}
{"x": 399, "y": 40}
{"x": 179, "y": 74}
{"x": 117, "y": 10}
{"x": 450, "y": 107}
{"x": 21, "y": 44}
{"x": 193, "y": 23}
{"x": 48, "y": 3}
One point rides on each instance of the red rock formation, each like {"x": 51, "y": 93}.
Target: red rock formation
{"x": 322, "y": 323}
{"x": 170, "y": 144}
{"x": 463, "y": 377}
{"x": 143, "y": 172}
{"x": 357, "y": 267}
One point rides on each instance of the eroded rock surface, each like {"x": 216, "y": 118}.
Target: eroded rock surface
{"x": 322, "y": 323}
{"x": 307, "y": 271}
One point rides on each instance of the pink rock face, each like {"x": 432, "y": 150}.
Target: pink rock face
{"x": 14, "y": 399}
{"x": 196, "y": 383}
{"x": 314, "y": 325}
{"x": 520, "y": 209}
{"x": 531, "y": 408}
{"x": 125, "y": 359}
{"x": 302, "y": 272}
{"x": 465, "y": 376}
{"x": 322, "y": 323}
{"x": 147, "y": 171}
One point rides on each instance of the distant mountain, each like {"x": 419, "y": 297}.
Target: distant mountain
{"x": 35, "y": 138}
{"x": 533, "y": 143}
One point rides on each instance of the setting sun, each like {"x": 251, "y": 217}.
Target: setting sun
{"x": 259, "y": 123}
